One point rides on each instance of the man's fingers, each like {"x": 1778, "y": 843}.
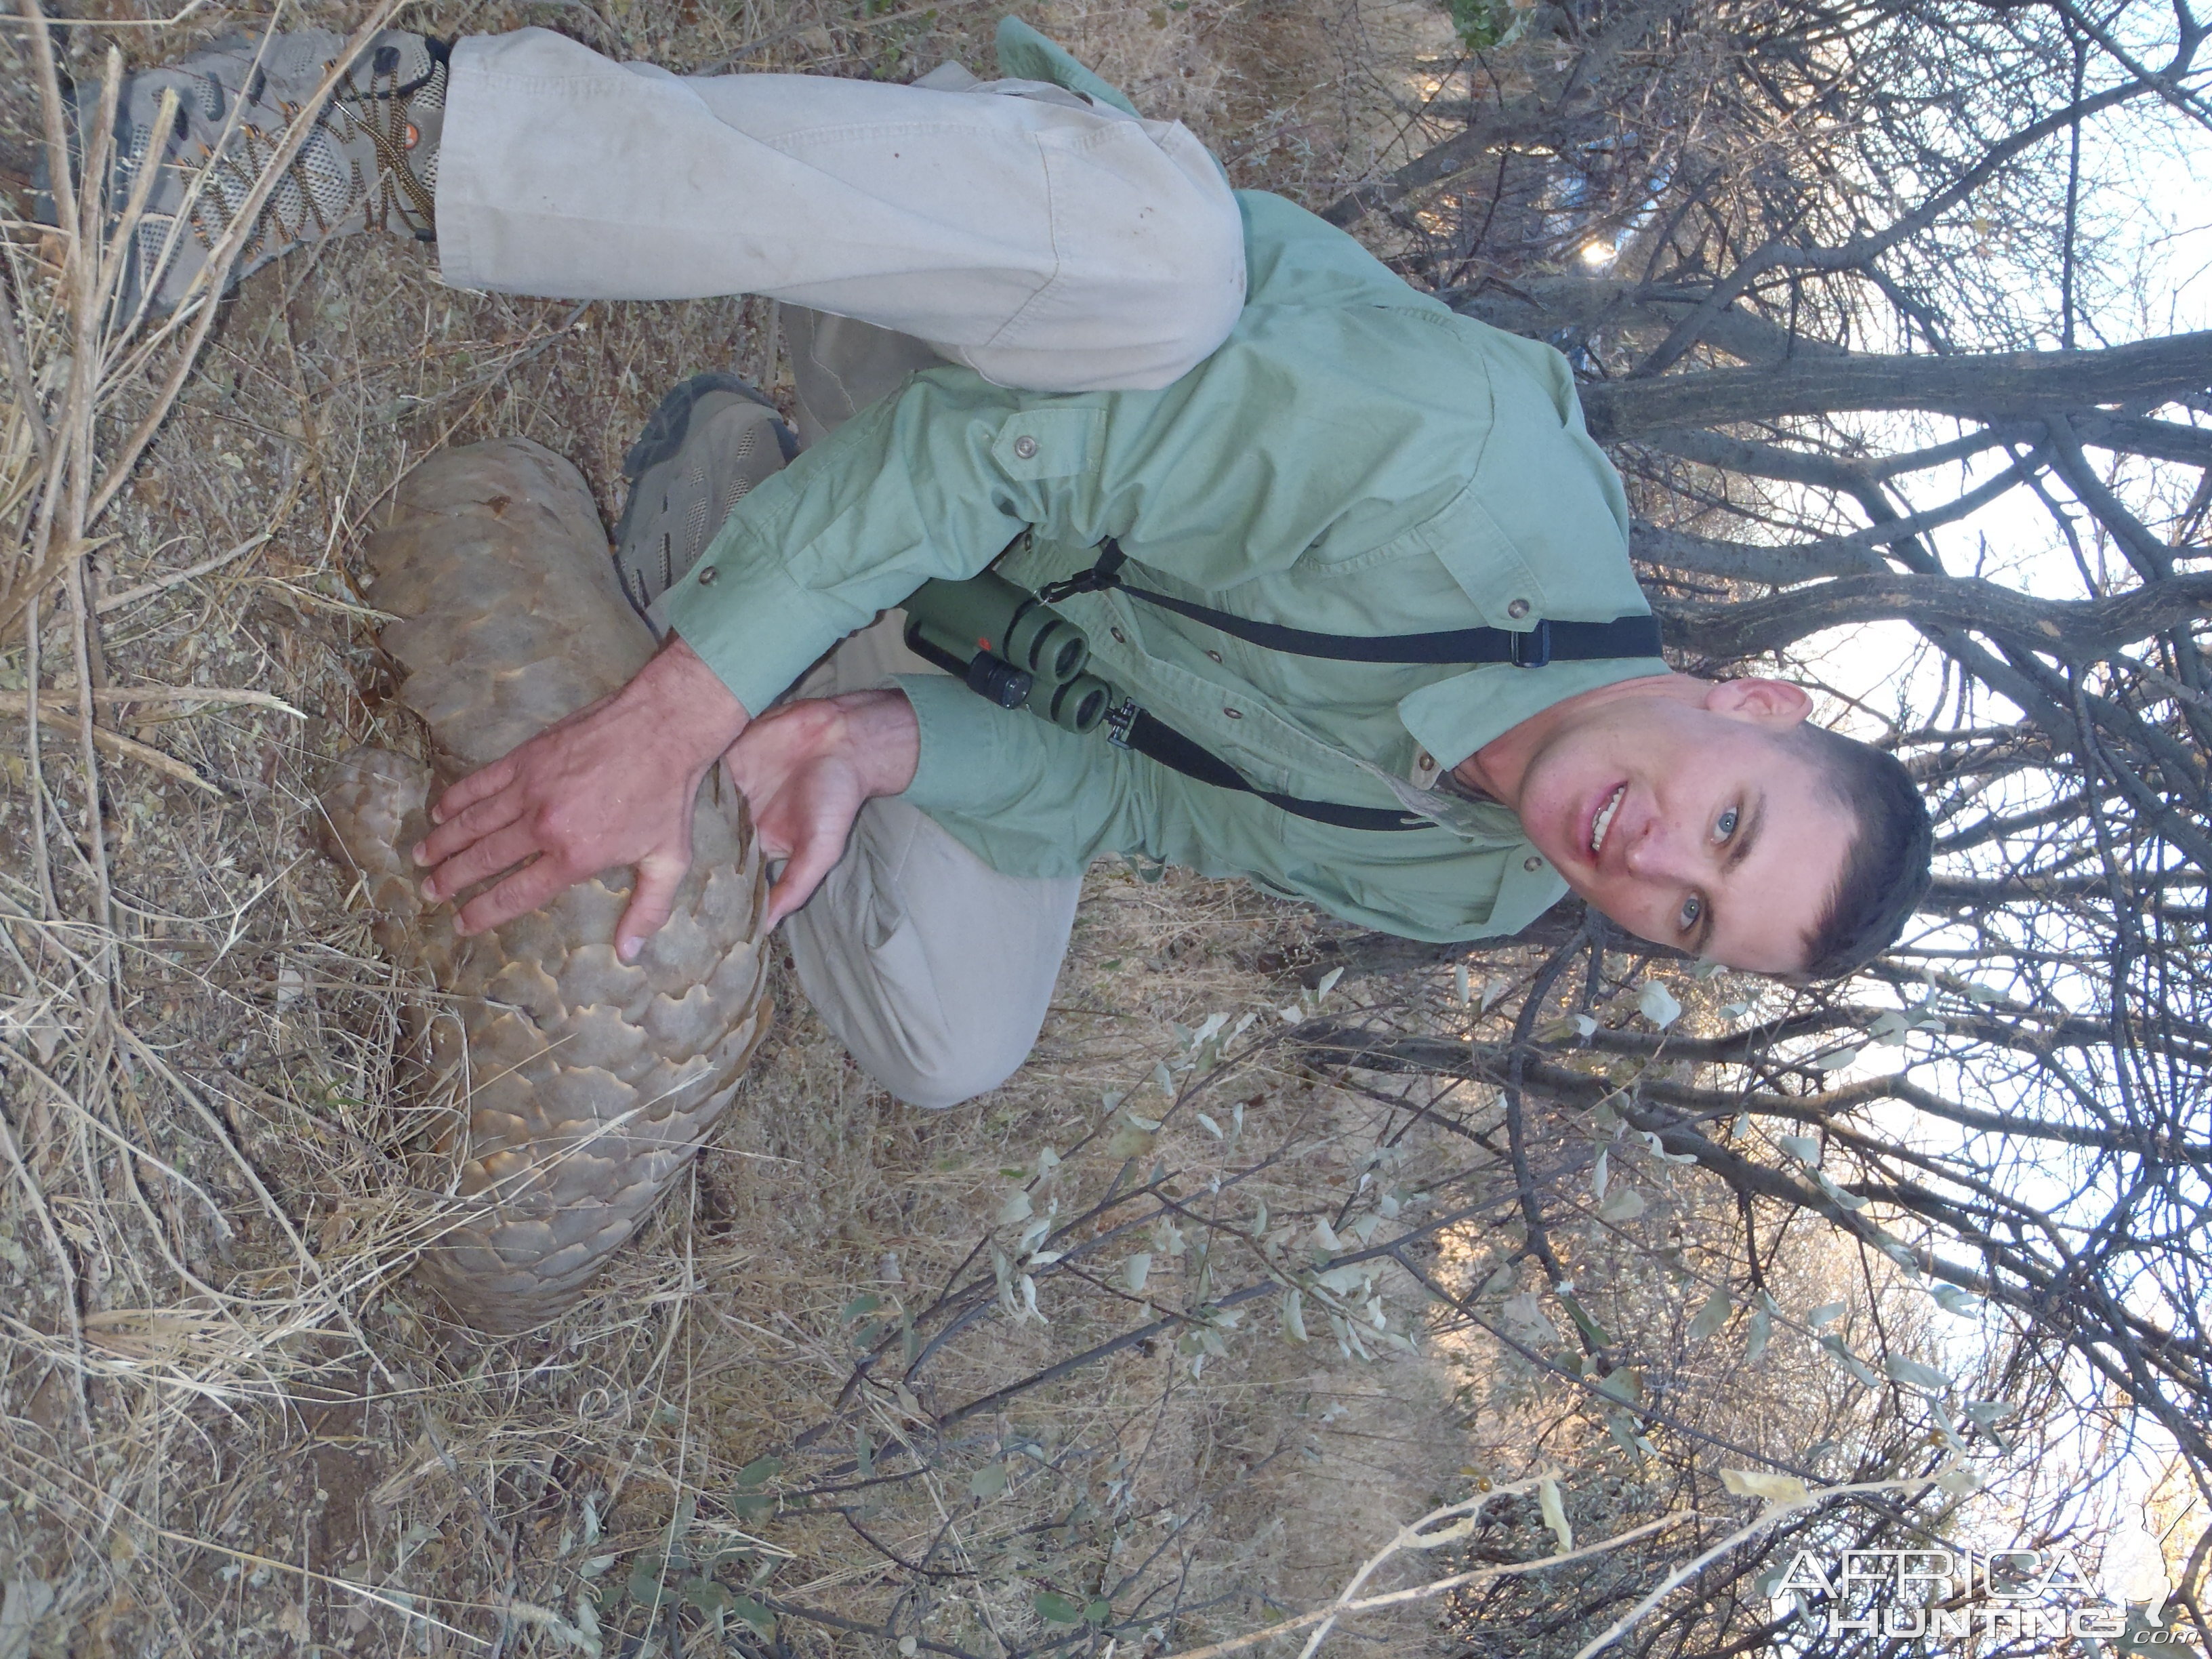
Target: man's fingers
{"x": 483, "y": 781}
{"x": 469, "y": 824}
{"x": 801, "y": 875}
{"x": 525, "y": 890}
{"x": 487, "y": 858}
{"x": 651, "y": 901}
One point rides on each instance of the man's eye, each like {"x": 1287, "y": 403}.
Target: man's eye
{"x": 1726, "y": 827}
{"x": 1693, "y": 908}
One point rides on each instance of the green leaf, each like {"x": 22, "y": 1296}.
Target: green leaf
{"x": 1136, "y": 1270}
{"x": 1624, "y": 1204}
{"x": 1591, "y": 1330}
{"x": 1850, "y": 1361}
{"x": 1555, "y": 1514}
{"x": 1658, "y": 1004}
{"x": 1057, "y": 1608}
{"x": 1804, "y": 1148}
{"x": 1761, "y": 1331}
{"x": 1128, "y": 1141}
{"x": 1952, "y": 1299}
{"x": 1098, "y": 1612}
{"x": 751, "y": 1506}
{"x": 759, "y": 1470}
{"x": 645, "y": 1576}
{"x": 1624, "y": 1384}
{"x": 705, "y": 1595}
{"x": 988, "y": 1481}
{"x": 1913, "y": 1373}
{"x": 1710, "y": 1317}
{"x": 1826, "y": 1313}
{"x": 1760, "y": 1483}
{"x": 753, "y": 1613}
{"x": 860, "y": 1307}
{"x": 1959, "y": 1480}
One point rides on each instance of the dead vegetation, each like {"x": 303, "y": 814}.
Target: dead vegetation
{"x": 815, "y": 1408}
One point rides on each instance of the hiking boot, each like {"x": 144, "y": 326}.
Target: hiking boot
{"x": 371, "y": 159}
{"x": 710, "y": 441}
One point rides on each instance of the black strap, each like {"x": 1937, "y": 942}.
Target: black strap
{"x": 1162, "y": 743}
{"x": 1547, "y": 641}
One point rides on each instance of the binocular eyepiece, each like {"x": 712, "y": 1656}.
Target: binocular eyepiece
{"x": 1011, "y": 647}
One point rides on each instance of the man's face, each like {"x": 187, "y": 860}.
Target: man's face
{"x": 1692, "y": 824}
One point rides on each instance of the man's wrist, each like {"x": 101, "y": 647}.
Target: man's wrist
{"x": 690, "y": 703}
{"x": 882, "y": 739}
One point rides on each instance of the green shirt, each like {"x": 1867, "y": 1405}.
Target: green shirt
{"x": 1355, "y": 459}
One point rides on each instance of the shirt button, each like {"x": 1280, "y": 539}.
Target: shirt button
{"x": 1517, "y": 610}
{"x": 1215, "y": 655}
{"x": 1025, "y": 450}
{"x": 1234, "y": 714}
{"x": 1119, "y": 639}
{"x": 1532, "y": 864}
{"x": 1424, "y": 762}
{"x": 707, "y": 576}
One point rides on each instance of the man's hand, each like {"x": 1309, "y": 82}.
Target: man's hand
{"x": 613, "y": 784}
{"x": 807, "y": 769}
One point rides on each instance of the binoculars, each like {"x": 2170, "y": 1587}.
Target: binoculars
{"x": 1010, "y": 646}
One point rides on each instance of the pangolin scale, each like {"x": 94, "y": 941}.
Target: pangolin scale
{"x": 565, "y": 1089}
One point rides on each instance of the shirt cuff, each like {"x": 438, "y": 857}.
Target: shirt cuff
{"x": 960, "y": 767}
{"x": 751, "y": 622}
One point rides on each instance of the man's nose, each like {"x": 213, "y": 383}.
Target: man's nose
{"x": 1655, "y": 853}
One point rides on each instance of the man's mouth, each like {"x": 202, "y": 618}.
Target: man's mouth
{"x": 1603, "y": 821}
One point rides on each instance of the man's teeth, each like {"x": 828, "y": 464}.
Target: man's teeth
{"x": 1604, "y": 819}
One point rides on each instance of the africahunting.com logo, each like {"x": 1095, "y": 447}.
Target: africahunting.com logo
{"x": 1964, "y": 1595}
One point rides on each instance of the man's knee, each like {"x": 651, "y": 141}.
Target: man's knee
{"x": 936, "y": 1076}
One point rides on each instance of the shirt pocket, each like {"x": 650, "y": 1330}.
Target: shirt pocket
{"x": 1488, "y": 564}
{"x": 1047, "y": 443}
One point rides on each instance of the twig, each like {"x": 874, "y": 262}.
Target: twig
{"x": 53, "y": 706}
{"x": 41, "y": 863}
{"x": 1429, "y": 1591}
{"x": 19, "y": 375}
{"x": 147, "y": 590}
{"x": 1773, "y": 1513}
{"x": 64, "y": 701}
{"x": 70, "y": 1290}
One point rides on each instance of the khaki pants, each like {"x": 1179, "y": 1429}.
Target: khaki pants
{"x": 1044, "y": 242}
{"x": 1009, "y": 226}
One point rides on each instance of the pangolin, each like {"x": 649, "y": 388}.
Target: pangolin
{"x": 565, "y": 1089}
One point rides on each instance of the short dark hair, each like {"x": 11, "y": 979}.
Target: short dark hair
{"x": 1885, "y": 872}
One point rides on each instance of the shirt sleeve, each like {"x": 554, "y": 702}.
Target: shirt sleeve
{"x": 1225, "y": 475}
{"x": 1025, "y": 797}
{"x": 933, "y": 483}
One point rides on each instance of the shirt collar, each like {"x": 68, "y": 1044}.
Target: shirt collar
{"x": 1452, "y": 718}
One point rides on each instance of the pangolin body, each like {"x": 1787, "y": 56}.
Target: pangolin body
{"x": 567, "y": 1088}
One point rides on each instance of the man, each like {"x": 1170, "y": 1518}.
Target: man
{"x": 1338, "y": 457}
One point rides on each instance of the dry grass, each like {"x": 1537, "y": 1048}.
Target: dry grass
{"x": 232, "y": 1426}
